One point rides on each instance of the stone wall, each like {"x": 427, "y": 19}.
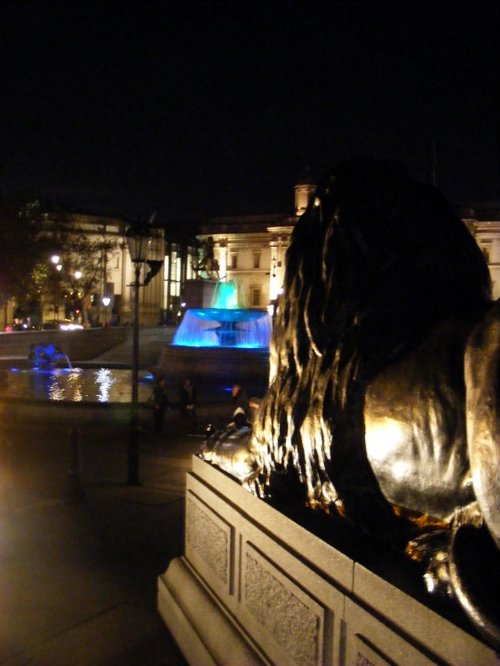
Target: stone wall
{"x": 78, "y": 345}
{"x": 255, "y": 587}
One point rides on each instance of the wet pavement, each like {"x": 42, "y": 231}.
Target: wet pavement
{"x": 80, "y": 551}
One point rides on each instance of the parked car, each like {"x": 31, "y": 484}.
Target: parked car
{"x": 19, "y": 325}
{"x": 62, "y": 325}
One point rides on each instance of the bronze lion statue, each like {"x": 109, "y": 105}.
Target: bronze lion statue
{"x": 383, "y": 398}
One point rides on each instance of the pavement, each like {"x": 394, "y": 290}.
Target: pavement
{"x": 80, "y": 549}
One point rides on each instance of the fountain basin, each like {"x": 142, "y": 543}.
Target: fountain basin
{"x": 221, "y": 327}
{"x": 221, "y": 345}
{"x": 73, "y": 385}
{"x": 216, "y": 367}
{"x": 71, "y": 397}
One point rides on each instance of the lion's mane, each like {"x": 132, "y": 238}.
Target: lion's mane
{"x": 375, "y": 263}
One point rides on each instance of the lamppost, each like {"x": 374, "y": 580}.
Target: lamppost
{"x": 106, "y": 301}
{"x": 76, "y": 297}
{"x": 55, "y": 259}
{"x": 138, "y": 240}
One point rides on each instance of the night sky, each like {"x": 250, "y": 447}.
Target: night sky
{"x": 213, "y": 108}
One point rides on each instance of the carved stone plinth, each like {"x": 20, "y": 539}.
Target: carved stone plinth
{"x": 254, "y": 587}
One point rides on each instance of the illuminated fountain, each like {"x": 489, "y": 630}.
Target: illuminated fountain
{"x": 221, "y": 343}
{"x": 50, "y": 376}
{"x": 224, "y": 324}
{"x": 46, "y": 356}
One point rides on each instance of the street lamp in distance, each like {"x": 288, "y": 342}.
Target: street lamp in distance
{"x": 106, "y": 300}
{"x": 138, "y": 238}
{"x": 56, "y": 260}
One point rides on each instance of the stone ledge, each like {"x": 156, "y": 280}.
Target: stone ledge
{"x": 199, "y": 625}
{"x": 294, "y": 599}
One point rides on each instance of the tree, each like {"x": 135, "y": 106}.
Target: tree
{"x": 34, "y": 232}
{"x": 85, "y": 262}
{"x": 20, "y": 245}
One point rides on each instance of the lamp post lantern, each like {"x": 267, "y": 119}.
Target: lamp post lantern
{"x": 106, "y": 300}
{"x": 138, "y": 240}
{"x": 56, "y": 260}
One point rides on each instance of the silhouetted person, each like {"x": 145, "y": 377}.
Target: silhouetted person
{"x": 240, "y": 420}
{"x": 241, "y": 399}
{"x": 160, "y": 403}
{"x": 188, "y": 399}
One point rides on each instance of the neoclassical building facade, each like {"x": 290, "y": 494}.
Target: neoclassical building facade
{"x": 250, "y": 250}
{"x": 483, "y": 221}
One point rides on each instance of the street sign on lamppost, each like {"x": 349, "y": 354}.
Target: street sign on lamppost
{"x": 138, "y": 240}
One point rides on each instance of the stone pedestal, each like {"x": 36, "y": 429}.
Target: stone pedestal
{"x": 254, "y": 587}
{"x": 217, "y": 366}
{"x": 199, "y": 293}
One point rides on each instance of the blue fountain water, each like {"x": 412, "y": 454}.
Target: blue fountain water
{"x": 46, "y": 356}
{"x": 213, "y": 327}
{"x": 225, "y": 296}
{"x": 224, "y": 324}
